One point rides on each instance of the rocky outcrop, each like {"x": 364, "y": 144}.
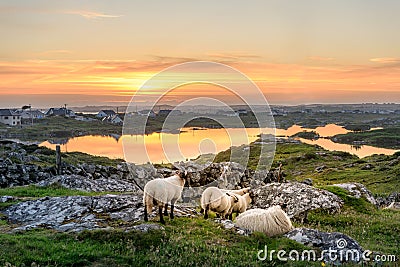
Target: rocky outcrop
{"x": 342, "y": 246}
{"x": 386, "y": 201}
{"x": 76, "y": 213}
{"x": 78, "y": 182}
{"x": 296, "y": 198}
{"x": 4, "y": 199}
{"x": 358, "y": 190}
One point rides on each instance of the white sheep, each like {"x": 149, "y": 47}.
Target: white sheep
{"x": 240, "y": 192}
{"x": 242, "y": 204}
{"x": 272, "y": 221}
{"x": 216, "y": 200}
{"x": 159, "y": 192}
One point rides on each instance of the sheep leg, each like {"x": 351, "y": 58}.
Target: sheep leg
{"x": 172, "y": 208}
{"x": 206, "y": 211}
{"x": 166, "y": 210}
{"x": 172, "y": 211}
{"x": 146, "y": 219}
{"x": 230, "y": 216}
{"x": 160, "y": 211}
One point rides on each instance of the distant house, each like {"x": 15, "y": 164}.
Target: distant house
{"x": 114, "y": 119}
{"x": 60, "y": 112}
{"x": 105, "y": 113}
{"x": 146, "y": 112}
{"x": 32, "y": 114}
{"x": 9, "y": 117}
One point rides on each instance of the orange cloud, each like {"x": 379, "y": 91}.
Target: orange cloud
{"x": 117, "y": 80}
{"x": 385, "y": 60}
{"x": 91, "y": 14}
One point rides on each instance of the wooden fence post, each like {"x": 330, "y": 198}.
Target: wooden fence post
{"x": 58, "y": 159}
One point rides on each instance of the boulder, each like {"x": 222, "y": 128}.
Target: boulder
{"x": 81, "y": 183}
{"x": 342, "y": 246}
{"x": 296, "y": 198}
{"x": 358, "y": 190}
{"x": 77, "y": 213}
{"x": 4, "y": 199}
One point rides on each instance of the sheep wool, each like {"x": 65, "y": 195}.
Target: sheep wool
{"x": 272, "y": 221}
{"x": 160, "y": 192}
{"x": 216, "y": 200}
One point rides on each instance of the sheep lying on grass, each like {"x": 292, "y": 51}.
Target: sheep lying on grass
{"x": 216, "y": 200}
{"x": 160, "y": 192}
{"x": 242, "y": 204}
{"x": 272, "y": 221}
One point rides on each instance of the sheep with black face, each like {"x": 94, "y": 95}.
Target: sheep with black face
{"x": 159, "y": 192}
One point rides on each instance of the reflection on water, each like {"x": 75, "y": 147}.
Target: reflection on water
{"x": 170, "y": 147}
{"x": 360, "y": 151}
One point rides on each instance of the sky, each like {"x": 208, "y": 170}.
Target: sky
{"x": 100, "y": 52}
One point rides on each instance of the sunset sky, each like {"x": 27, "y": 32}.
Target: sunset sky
{"x": 100, "y": 52}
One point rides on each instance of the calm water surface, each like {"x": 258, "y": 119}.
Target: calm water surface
{"x": 191, "y": 143}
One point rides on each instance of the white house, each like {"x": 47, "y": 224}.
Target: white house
{"x": 115, "y": 119}
{"x": 9, "y": 117}
{"x": 105, "y": 113}
{"x": 32, "y": 114}
{"x": 60, "y": 112}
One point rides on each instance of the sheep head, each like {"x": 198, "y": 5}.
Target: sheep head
{"x": 252, "y": 194}
{"x": 182, "y": 174}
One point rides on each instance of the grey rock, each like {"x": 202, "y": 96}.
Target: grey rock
{"x": 358, "y": 190}
{"x": 320, "y": 168}
{"x": 90, "y": 185}
{"x": 340, "y": 243}
{"x": 77, "y": 213}
{"x": 308, "y": 181}
{"x": 4, "y": 199}
{"x": 367, "y": 167}
{"x": 298, "y": 198}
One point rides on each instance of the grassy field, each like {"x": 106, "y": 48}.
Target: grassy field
{"x": 199, "y": 242}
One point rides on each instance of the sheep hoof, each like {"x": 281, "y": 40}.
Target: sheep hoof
{"x": 163, "y": 222}
{"x": 172, "y": 216}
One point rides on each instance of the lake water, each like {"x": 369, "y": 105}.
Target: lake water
{"x": 168, "y": 147}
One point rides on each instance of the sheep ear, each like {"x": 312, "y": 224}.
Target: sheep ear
{"x": 178, "y": 172}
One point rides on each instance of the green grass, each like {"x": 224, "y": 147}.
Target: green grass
{"x": 39, "y": 191}
{"x": 376, "y": 230}
{"x": 185, "y": 242}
